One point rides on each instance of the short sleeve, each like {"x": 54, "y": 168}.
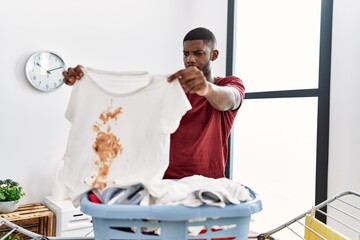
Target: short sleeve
{"x": 236, "y": 83}
{"x": 73, "y": 103}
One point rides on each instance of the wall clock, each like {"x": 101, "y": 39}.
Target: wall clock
{"x": 44, "y": 71}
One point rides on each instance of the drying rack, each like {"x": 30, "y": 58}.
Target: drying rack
{"x": 342, "y": 217}
{"x": 31, "y": 235}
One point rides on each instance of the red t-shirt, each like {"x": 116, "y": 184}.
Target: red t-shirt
{"x": 200, "y": 144}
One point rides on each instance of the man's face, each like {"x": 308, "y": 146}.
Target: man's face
{"x": 197, "y": 53}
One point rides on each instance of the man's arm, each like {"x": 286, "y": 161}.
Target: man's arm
{"x": 223, "y": 98}
{"x": 193, "y": 80}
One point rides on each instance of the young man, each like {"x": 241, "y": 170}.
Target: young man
{"x": 200, "y": 144}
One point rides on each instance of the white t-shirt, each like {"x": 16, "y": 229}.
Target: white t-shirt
{"x": 121, "y": 126}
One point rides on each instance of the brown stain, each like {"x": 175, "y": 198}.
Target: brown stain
{"x": 106, "y": 146}
{"x": 106, "y": 116}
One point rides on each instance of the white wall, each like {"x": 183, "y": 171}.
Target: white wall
{"x": 344, "y": 154}
{"x": 112, "y": 34}
{"x": 344, "y": 144}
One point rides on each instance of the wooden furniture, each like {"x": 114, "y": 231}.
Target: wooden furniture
{"x": 34, "y": 217}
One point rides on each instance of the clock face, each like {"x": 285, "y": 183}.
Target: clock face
{"x": 44, "y": 71}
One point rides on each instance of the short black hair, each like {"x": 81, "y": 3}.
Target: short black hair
{"x": 201, "y": 33}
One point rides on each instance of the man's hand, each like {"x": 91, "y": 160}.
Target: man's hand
{"x": 192, "y": 80}
{"x": 72, "y": 75}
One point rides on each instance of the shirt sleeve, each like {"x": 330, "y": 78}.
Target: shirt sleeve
{"x": 73, "y": 102}
{"x": 234, "y": 82}
{"x": 239, "y": 85}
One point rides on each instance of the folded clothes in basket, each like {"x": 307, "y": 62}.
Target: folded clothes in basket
{"x": 191, "y": 191}
{"x": 116, "y": 195}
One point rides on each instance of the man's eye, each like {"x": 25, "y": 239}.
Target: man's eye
{"x": 186, "y": 54}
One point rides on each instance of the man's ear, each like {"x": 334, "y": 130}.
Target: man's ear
{"x": 214, "y": 55}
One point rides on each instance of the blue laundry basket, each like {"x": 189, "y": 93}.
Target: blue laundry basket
{"x": 127, "y": 222}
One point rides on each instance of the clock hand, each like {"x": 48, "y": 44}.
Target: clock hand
{"x": 48, "y": 72}
{"x": 54, "y": 69}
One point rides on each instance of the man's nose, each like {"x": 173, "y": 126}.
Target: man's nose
{"x": 190, "y": 59}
